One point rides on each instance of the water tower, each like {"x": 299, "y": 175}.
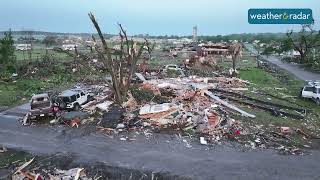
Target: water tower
{"x": 195, "y": 33}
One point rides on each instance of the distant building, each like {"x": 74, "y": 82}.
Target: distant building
{"x": 23, "y": 47}
{"x": 214, "y": 48}
{"x": 294, "y": 54}
{"x": 186, "y": 40}
{"x": 69, "y": 47}
{"x": 256, "y": 41}
{"x": 263, "y": 45}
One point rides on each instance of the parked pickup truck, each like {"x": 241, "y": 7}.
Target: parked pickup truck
{"x": 312, "y": 91}
{"x": 73, "y": 99}
{"x": 41, "y": 105}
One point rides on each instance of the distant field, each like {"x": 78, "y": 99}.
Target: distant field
{"x": 36, "y": 54}
{"x": 24, "y": 55}
{"x": 160, "y": 58}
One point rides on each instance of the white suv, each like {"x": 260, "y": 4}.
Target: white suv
{"x": 312, "y": 91}
{"x": 73, "y": 99}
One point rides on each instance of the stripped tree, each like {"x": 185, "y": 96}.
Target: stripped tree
{"x": 149, "y": 48}
{"x": 120, "y": 64}
{"x": 235, "y": 51}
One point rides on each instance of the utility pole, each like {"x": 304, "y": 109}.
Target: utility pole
{"x": 28, "y": 40}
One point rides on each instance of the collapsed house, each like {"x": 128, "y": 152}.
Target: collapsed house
{"x": 214, "y": 49}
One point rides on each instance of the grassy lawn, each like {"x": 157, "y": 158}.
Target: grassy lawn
{"x": 258, "y": 77}
{"x": 37, "y": 54}
{"x": 53, "y": 77}
{"x": 160, "y": 59}
{"x": 281, "y": 84}
{"x": 22, "y": 89}
{"x": 266, "y": 86}
{"x": 24, "y": 55}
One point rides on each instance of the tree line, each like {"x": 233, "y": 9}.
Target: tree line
{"x": 7, "y": 56}
{"x": 306, "y": 44}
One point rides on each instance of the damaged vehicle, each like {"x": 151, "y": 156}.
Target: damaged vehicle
{"x": 73, "y": 99}
{"x": 311, "y": 92}
{"x": 172, "y": 67}
{"x": 41, "y": 106}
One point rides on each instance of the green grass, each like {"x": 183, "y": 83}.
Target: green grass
{"x": 245, "y": 62}
{"x": 280, "y": 84}
{"x": 266, "y": 118}
{"x": 54, "y": 77}
{"x": 258, "y": 77}
{"x": 16, "y": 91}
{"x": 21, "y": 90}
{"x": 22, "y": 57}
{"x": 160, "y": 59}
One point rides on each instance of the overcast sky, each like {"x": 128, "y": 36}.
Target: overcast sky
{"x": 154, "y": 17}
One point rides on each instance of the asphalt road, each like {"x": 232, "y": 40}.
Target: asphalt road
{"x": 292, "y": 68}
{"x": 159, "y": 152}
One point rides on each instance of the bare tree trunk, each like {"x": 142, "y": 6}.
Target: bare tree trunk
{"x": 302, "y": 57}
{"x": 234, "y": 63}
{"x": 47, "y": 50}
{"x": 75, "y": 53}
{"x": 30, "y": 42}
{"x": 235, "y": 51}
{"x": 121, "y": 65}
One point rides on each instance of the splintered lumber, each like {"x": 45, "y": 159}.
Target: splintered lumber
{"x": 25, "y": 119}
{"x": 267, "y": 108}
{"x": 216, "y": 98}
{"x": 302, "y": 110}
{"x": 140, "y": 76}
{"x": 273, "y": 109}
{"x": 24, "y": 166}
{"x": 77, "y": 176}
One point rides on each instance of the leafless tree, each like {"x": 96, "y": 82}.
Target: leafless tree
{"x": 149, "y": 48}
{"x": 235, "y": 51}
{"x": 48, "y": 41}
{"x": 120, "y": 64}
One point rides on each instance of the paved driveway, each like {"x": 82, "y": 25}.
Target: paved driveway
{"x": 292, "y": 68}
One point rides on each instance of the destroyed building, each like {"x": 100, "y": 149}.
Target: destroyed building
{"x": 215, "y": 49}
